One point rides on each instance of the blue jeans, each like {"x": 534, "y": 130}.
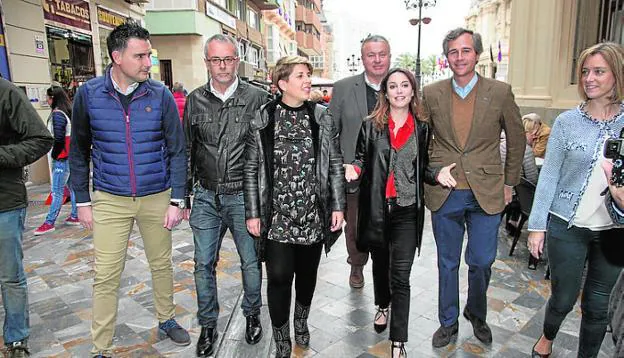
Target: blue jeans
{"x": 461, "y": 211}
{"x": 12, "y": 276}
{"x": 569, "y": 251}
{"x": 212, "y": 214}
{"x": 60, "y": 175}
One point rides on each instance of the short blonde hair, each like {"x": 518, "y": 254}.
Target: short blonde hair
{"x": 613, "y": 54}
{"x": 531, "y": 121}
{"x": 284, "y": 68}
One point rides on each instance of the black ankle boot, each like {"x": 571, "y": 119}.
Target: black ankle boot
{"x": 302, "y": 333}
{"x": 283, "y": 346}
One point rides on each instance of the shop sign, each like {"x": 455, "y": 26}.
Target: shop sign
{"x": 220, "y": 15}
{"x": 110, "y": 19}
{"x": 69, "y": 12}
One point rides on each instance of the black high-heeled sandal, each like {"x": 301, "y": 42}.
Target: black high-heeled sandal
{"x": 535, "y": 354}
{"x": 381, "y": 312}
{"x": 401, "y": 347}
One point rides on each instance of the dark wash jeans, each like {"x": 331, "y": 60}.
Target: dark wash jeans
{"x": 392, "y": 267}
{"x": 283, "y": 262}
{"x": 212, "y": 214}
{"x": 568, "y": 251}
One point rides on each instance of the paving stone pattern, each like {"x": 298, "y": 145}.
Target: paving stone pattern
{"x": 60, "y": 274}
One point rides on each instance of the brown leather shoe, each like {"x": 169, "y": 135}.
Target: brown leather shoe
{"x": 356, "y": 279}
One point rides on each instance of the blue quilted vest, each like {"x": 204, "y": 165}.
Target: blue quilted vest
{"x": 128, "y": 148}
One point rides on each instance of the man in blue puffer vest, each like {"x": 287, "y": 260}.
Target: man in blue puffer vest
{"x": 129, "y": 126}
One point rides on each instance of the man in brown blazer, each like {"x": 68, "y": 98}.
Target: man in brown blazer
{"x": 467, "y": 114}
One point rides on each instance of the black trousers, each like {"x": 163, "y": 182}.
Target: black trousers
{"x": 392, "y": 266}
{"x": 283, "y": 262}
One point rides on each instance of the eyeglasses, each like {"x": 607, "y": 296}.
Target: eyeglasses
{"x": 216, "y": 61}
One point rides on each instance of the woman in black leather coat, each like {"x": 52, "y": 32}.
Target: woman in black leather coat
{"x": 391, "y": 157}
{"x": 294, "y": 195}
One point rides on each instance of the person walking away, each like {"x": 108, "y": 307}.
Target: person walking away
{"x": 180, "y": 98}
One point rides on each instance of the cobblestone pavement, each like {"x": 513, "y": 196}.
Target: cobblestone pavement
{"x": 60, "y": 274}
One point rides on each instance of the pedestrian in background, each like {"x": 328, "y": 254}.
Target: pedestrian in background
{"x": 353, "y": 99}
{"x": 569, "y": 212}
{"x": 294, "y": 195}
{"x": 216, "y": 122}
{"x": 391, "y": 158}
{"x": 23, "y": 139}
{"x": 536, "y": 133}
{"x": 467, "y": 114}
{"x": 59, "y": 124}
{"x": 180, "y": 98}
{"x": 129, "y": 126}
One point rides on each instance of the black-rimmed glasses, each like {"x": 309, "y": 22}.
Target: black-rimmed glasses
{"x": 216, "y": 61}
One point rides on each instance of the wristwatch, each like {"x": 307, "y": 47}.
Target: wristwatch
{"x": 179, "y": 204}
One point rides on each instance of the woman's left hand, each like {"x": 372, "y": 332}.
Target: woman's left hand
{"x": 337, "y": 220}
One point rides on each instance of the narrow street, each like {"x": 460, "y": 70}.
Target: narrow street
{"x": 60, "y": 274}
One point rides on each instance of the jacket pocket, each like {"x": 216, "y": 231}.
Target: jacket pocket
{"x": 493, "y": 169}
{"x": 205, "y": 128}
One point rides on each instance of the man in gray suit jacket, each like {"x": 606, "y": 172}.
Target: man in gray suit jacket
{"x": 353, "y": 99}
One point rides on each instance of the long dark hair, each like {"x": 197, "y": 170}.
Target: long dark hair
{"x": 60, "y": 99}
{"x": 380, "y": 114}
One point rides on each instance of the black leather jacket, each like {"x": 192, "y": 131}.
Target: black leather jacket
{"x": 215, "y": 136}
{"x": 259, "y": 170}
{"x": 372, "y": 155}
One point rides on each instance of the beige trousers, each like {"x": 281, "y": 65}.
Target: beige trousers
{"x": 113, "y": 219}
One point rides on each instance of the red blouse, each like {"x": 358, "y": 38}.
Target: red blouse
{"x": 396, "y": 142}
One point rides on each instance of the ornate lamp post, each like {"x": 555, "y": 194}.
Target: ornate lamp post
{"x": 413, "y": 4}
{"x": 353, "y": 64}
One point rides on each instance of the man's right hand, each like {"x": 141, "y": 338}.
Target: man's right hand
{"x": 445, "y": 178}
{"x": 85, "y": 215}
{"x": 253, "y": 226}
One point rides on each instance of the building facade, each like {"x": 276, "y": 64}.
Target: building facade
{"x": 279, "y": 32}
{"x": 492, "y": 19}
{"x": 180, "y": 28}
{"x": 547, "y": 37}
{"x": 55, "y": 41}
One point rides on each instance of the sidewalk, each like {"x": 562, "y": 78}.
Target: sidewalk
{"x": 60, "y": 274}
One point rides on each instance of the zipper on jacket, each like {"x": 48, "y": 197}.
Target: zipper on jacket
{"x": 133, "y": 189}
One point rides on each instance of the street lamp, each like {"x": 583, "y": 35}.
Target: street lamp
{"x": 353, "y": 64}
{"x": 413, "y": 4}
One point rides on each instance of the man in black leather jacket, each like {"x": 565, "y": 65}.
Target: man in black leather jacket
{"x": 216, "y": 122}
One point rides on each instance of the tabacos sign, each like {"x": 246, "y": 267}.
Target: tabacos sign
{"x": 69, "y": 12}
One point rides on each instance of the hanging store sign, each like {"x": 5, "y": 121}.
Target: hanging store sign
{"x": 110, "y": 19}
{"x": 69, "y": 12}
